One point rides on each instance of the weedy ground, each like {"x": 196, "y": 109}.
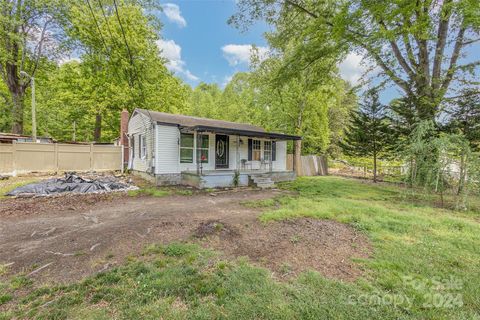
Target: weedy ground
{"x": 425, "y": 264}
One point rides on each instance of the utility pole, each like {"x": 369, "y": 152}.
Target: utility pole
{"x": 34, "y": 112}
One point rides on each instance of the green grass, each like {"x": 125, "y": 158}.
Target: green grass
{"x": 13, "y": 183}
{"x": 149, "y": 191}
{"x": 425, "y": 265}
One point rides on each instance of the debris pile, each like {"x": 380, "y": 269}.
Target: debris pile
{"x": 72, "y": 183}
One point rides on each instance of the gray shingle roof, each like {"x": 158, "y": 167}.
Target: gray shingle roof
{"x": 189, "y": 121}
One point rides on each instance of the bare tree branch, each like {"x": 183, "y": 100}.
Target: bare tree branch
{"x": 301, "y": 8}
{"x": 398, "y": 54}
{"x": 453, "y": 59}
{"x": 445, "y": 13}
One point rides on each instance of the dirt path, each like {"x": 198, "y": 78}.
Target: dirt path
{"x": 74, "y": 243}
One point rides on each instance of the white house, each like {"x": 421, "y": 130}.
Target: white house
{"x": 178, "y": 149}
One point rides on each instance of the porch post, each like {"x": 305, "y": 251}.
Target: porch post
{"x": 196, "y": 151}
{"x": 270, "y": 164}
{"x": 238, "y": 154}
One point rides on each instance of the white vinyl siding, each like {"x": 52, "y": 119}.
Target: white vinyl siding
{"x": 167, "y": 149}
{"x": 140, "y": 125}
{"x": 168, "y": 152}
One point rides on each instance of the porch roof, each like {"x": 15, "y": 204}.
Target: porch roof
{"x": 242, "y": 132}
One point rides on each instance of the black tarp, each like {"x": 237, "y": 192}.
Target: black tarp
{"x": 70, "y": 183}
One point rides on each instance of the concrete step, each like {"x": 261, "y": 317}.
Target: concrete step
{"x": 262, "y": 181}
{"x": 265, "y": 185}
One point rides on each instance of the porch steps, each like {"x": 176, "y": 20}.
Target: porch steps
{"x": 261, "y": 181}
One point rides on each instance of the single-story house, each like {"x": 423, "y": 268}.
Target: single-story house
{"x": 178, "y": 149}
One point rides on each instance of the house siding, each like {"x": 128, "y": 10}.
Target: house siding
{"x": 167, "y": 149}
{"x": 167, "y": 153}
{"x": 140, "y": 124}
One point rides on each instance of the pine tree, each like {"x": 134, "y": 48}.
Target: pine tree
{"x": 464, "y": 117}
{"x": 369, "y": 134}
{"x": 403, "y": 117}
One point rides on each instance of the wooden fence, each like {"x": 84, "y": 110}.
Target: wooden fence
{"x": 310, "y": 165}
{"x": 24, "y": 157}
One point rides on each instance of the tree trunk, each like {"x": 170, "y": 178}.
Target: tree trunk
{"x": 97, "y": 132}
{"x": 17, "y": 111}
{"x": 375, "y": 167}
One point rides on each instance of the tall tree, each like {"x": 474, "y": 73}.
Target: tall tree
{"x": 404, "y": 117}
{"x": 464, "y": 117}
{"x": 418, "y": 45}
{"x": 29, "y": 32}
{"x": 369, "y": 133}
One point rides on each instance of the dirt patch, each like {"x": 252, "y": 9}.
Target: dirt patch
{"x": 75, "y": 236}
{"x": 57, "y": 203}
{"x": 81, "y": 235}
{"x": 292, "y": 246}
{"x": 215, "y": 227}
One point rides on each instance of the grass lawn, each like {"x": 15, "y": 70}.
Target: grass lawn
{"x": 425, "y": 265}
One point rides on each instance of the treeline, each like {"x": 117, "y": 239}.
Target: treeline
{"x": 117, "y": 66}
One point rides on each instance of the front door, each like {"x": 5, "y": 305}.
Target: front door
{"x": 221, "y": 151}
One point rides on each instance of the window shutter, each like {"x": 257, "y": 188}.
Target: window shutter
{"x": 250, "y": 146}
{"x": 274, "y": 150}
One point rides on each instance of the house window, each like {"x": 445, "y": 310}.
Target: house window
{"x": 186, "y": 148}
{"x": 267, "y": 150}
{"x": 143, "y": 146}
{"x": 256, "y": 150}
{"x": 203, "y": 148}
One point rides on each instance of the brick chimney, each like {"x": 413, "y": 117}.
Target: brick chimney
{"x": 123, "y": 135}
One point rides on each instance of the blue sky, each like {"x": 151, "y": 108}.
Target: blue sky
{"x": 201, "y": 46}
{"x": 199, "y": 43}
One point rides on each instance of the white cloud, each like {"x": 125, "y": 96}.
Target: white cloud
{"x": 241, "y": 53}
{"x": 226, "y": 80}
{"x": 172, "y": 11}
{"x": 68, "y": 59}
{"x": 352, "y": 68}
{"x": 173, "y": 53}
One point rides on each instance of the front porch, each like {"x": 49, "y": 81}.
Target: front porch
{"x": 226, "y": 178}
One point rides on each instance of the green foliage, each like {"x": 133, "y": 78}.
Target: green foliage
{"x": 369, "y": 133}
{"x": 415, "y": 44}
{"x": 82, "y": 100}
{"x": 442, "y": 162}
{"x": 464, "y": 117}
{"x": 236, "y": 178}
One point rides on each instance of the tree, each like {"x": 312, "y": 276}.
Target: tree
{"x": 416, "y": 44}
{"x": 369, "y": 132}
{"x": 403, "y": 117}
{"x": 205, "y": 101}
{"x": 29, "y": 32}
{"x": 89, "y": 92}
{"x": 464, "y": 117}
{"x": 338, "y": 115}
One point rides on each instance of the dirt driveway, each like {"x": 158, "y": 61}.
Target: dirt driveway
{"x": 66, "y": 244}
